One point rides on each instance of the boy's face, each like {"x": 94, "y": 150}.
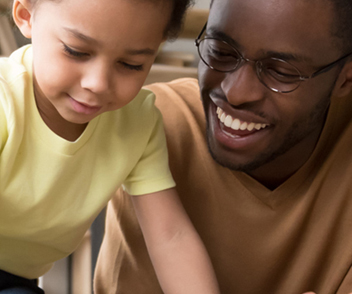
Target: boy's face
{"x": 93, "y": 56}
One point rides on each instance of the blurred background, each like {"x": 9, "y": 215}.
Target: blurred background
{"x": 74, "y": 275}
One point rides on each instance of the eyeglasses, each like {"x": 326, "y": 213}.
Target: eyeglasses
{"x": 276, "y": 74}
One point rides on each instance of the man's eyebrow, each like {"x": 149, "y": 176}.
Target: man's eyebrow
{"x": 288, "y": 56}
{"x": 214, "y": 33}
{"x": 87, "y": 39}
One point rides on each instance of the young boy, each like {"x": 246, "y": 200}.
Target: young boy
{"x": 75, "y": 125}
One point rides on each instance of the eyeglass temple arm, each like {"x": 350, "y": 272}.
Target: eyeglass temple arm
{"x": 200, "y": 34}
{"x": 327, "y": 67}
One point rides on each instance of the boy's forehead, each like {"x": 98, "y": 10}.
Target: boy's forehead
{"x": 109, "y": 22}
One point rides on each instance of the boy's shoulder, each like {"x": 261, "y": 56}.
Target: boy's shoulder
{"x": 16, "y": 65}
{"x": 15, "y": 76}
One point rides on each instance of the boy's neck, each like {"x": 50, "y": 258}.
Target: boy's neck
{"x": 61, "y": 127}
{"x": 55, "y": 122}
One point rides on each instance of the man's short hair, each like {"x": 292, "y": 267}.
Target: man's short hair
{"x": 342, "y": 23}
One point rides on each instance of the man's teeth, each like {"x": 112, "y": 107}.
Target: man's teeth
{"x": 236, "y": 124}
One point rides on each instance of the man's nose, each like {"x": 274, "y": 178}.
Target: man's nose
{"x": 242, "y": 85}
{"x": 97, "y": 78}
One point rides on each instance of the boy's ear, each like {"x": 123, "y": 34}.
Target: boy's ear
{"x": 343, "y": 85}
{"x": 22, "y": 15}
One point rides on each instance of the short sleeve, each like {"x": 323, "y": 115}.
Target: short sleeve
{"x": 151, "y": 174}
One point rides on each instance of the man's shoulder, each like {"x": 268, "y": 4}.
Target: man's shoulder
{"x": 177, "y": 96}
{"x": 177, "y": 83}
{"x": 184, "y": 88}
{"x": 183, "y": 116}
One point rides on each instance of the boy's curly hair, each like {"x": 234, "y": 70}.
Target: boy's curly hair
{"x": 177, "y": 17}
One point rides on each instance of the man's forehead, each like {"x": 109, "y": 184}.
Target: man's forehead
{"x": 278, "y": 2}
{"x": 298, "y": 13}
{"x": 287, "y": 7}
{"x": 302, "y": 27}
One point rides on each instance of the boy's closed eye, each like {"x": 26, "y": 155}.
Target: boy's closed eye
{"x": 82, "y": 55}
{"x": 74, "y": 53}
{"x": 133, "y": 67}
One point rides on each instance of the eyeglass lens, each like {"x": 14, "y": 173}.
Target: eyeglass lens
{"x": 276, "y": 74}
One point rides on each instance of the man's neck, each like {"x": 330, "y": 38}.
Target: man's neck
{"x": 276, "y": 172}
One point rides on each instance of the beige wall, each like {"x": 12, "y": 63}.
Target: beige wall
{"x": 203, "y": 4}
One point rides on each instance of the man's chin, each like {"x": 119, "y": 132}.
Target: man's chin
{"x": 226, "y": 158}
{"x": 221, "y": 158}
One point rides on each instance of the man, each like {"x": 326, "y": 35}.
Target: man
{"x": 272, "y": 198}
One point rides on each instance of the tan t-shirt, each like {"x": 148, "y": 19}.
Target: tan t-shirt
{"x": 287, "y": 241}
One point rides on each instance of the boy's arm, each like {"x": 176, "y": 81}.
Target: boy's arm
{"x": 178, "y": 255}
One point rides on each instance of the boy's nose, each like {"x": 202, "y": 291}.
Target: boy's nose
{"x": 242, "y": 85}
{"x": 97, "y": 79}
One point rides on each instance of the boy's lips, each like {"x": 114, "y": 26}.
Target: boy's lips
{"x": 83, "y": 108}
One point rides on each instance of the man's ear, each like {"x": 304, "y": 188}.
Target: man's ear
{"x": 343, "y": 85}
{"x": 22, "y": 15}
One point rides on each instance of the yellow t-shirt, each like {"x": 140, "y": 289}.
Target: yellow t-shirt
{"x": 52, "y": 189}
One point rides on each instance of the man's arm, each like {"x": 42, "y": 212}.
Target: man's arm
{"x": 178, "y": 255}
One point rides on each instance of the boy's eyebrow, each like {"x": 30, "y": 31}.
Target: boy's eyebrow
{"x": 80, "y": 36}
{"x": 87, "y": 39}
{"x": 146, "y": 51}
{"x": 214, "y": 33}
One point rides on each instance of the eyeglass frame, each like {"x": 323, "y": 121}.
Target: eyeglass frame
{"x": 302, "y": 78}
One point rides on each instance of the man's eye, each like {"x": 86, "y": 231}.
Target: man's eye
{"x": 74, "y": 53}
{"x": 132, "y": 67}
{"x": 219, "y": 53}
{"x": 282, "y": 75}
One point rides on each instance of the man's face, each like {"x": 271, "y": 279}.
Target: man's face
{"x": 278, "y": 129}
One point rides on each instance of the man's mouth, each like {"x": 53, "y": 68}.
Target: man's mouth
{"x": 236, "y": 124}
{"x": 240, "y": 131}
